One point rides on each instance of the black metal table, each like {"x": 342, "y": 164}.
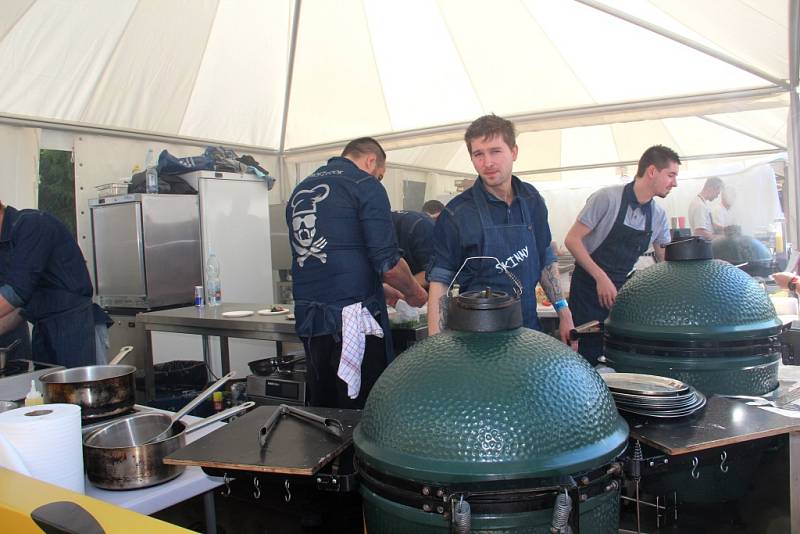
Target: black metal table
{"x": 724, "y": 422}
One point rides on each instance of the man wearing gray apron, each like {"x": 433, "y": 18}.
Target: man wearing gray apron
{"x": 499, "y": 216}
{"x": 616, "y": 226}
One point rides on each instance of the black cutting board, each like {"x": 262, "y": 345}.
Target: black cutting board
{"x": 295, "y": 447}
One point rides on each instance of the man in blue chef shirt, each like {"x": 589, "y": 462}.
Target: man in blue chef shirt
{"x": 616, "y": 226}
{"x": 343, "y": 249}
{"x": 499, "y": 216}
{"x": 45, "y": 281}
{"x": 414, "y": 232}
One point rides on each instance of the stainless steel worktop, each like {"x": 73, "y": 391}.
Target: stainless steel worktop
{"x": 208, "y": 321}
{"x": 210, "y": 318}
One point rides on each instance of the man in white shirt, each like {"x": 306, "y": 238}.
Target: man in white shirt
{"x": 699, "y": 210}
{"x": 721, "y": 216}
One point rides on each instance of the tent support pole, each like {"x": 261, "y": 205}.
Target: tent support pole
{"x": 287, "y": 93}
{"x": 792, "y": 181}
{"x": 585, "y": 116}
{"x": 730, "y": 60}
{"x": 740, "y": 131}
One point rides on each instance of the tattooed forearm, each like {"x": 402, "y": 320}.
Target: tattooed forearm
{"x": 551, "y": 283}
{"x": 443, "y": 301}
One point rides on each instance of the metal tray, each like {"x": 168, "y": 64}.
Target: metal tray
{"x": 638, "y": 384}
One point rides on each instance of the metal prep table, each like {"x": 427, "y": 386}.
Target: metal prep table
{"x": 208, "y": 321}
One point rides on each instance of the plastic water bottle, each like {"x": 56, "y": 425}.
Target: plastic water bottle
{"x": 213, "y": 288}
{"x": 150, "y": 173}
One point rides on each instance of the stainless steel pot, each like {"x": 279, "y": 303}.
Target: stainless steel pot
{"x": 111, "y": 464}
{"x": 100, "y": 390}
{"x": 4, "y": 352}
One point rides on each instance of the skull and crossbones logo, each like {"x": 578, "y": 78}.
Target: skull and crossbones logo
{"x": 304, "y": 224}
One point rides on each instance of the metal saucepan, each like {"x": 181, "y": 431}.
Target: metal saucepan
{"x": 5, "y": 351}
{"x": 169, "y": 422}
{"x": 110, "y": 464}
{"x": 100, "y": 390}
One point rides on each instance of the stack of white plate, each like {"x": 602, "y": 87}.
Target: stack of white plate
{"x": 653, "y": 396}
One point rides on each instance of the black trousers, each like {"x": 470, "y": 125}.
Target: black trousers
{"x": 327, "y": 390}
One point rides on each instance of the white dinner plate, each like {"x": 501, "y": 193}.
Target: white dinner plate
{"x": 268, "y": 311}
{"x": 238, "y": 313}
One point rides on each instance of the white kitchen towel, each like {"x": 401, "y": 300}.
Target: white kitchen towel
{"x": 357, "y": 323}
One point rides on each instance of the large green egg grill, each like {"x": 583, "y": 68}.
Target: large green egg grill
{"x": 699, "y": 320}
{"x": 748, "y": 252}
{"x": 505, "y": 418}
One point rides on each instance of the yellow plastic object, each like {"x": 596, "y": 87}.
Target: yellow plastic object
{"x": 33, "y": 397}
{"x": 20, "y": 495}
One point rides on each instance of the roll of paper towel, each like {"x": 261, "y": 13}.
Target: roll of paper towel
{"x": 47, "y": 440}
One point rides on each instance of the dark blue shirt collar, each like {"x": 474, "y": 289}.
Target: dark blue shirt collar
{"x": 515, "y": 185}
{"x": 9, "y": 217}
{"x": 629, "y": 196}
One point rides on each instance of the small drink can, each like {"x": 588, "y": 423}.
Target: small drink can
{"x": 198, "y": 295}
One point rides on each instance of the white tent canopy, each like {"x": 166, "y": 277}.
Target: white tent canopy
{"x": 589, "y": 83}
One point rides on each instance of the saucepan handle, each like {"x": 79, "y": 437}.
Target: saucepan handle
{"x": 592, "y": 328}
{"x": 224, "y": 414}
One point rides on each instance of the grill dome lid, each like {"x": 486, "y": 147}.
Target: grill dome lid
{"x": 511, "y": 404}
{"x": 692, "y": 299}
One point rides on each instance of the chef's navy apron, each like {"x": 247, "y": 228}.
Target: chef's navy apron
{"x": 504, "y": 241}
{"x": 21, "y": 332}
{"x": 616, "y": 255}
{"x": 68, "y": 337}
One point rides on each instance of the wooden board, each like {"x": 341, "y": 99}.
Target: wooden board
{"x": 295, "y": 447}
{"x": 722, "y": 422}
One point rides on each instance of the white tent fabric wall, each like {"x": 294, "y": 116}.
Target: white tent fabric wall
{"x": 755, "y": 187}
{"x": 283, "y": 75}
{"x": 19, "y": 165}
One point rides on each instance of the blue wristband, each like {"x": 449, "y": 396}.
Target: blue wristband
{"x": 560, "y": 304}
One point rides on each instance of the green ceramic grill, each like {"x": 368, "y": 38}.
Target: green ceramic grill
{"x": 495, "y": 422}
{"x": 696, "y": 319}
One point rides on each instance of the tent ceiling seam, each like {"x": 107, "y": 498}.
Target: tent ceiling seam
{"x": 740, "y": 131}
{"x": 197, "y": 70}
{"x": 377, "y": 69}
{"x": 21, "y": 16}
{"x": 632, "y": 162}
{"x": 730, "y": 60}
{"x": 110, "y": 131}
{"x": 103, "y": 71}
{"x": 460, "y": 57}
{"x": 287, "y": 94}
{"x": 560, "y": 54}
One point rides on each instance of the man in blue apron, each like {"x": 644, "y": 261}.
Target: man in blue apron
{"x": 343, "y": 249}
{"x": 43, "y": 279}
{"x": 499, "y": 216}
{"x": 414, "y": 231}
{"x": 616, "y": 226}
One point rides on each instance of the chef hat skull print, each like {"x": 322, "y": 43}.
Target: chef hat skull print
{"x": 304, "y": 224}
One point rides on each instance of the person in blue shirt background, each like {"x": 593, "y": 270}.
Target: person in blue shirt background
{"x": 499, "y": 216}
{"x": 44, "y": 280}
{"x": 343, "y": 250}
{"x": 414, "y": 232}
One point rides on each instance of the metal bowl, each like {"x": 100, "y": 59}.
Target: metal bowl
{"x": 7, "y": 405}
